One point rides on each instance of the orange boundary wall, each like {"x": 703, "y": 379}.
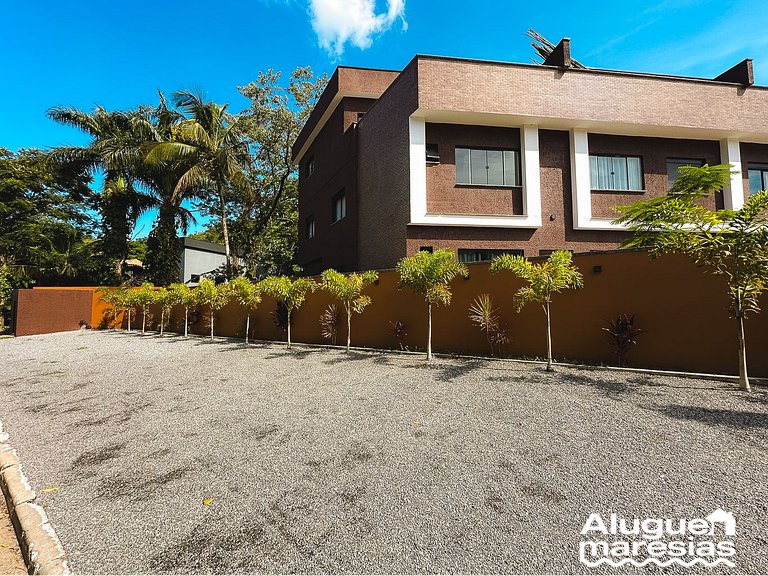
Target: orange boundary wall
{"x": 682, "y": 308}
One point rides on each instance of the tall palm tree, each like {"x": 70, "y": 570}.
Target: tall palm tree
{"x": 212, "y": 142}
{"x": 113, "y": 149}
{"x": 158, "y": 127}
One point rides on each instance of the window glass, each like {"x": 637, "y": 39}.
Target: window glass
{"x": 674, "y": 165}
{"x": 487, "y": 167}
{"x": 758, "y": 177}
{"x": 462, "y": 166}
{"x": 511, "y": 167}
{"x": 495, "y": 161}
{"x": 311, "y": 227}
{"x": 616, "y": 172}
{"x": 483, "y": 255}
{"x": 479, "y": 174}
{"x": 339, "y": 207}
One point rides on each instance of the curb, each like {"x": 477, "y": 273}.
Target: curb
{"x": 40, "y": 547}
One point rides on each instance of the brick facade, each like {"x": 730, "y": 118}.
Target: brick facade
{"x": 472, "y": 104}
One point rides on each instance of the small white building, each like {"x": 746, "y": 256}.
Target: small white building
{"x": 199, "y": 258}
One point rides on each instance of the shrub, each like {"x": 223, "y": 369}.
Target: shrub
{"x": 292, "y": 293}
{"x": 329, "y": 323}
{"x": 399, "y": 331}
{"x": 622, "y": 335}
{"x": 484, "y": 314}
{"x": 348, "y": 290}
{"x": 247, "y": 294}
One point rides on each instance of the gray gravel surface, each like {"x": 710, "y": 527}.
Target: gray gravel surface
{"x": 319, "y": 461}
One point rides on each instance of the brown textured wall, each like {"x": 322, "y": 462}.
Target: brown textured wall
{"x": 52, "y": 310}
{"x": 444, "y": 196}
{"x": 654, "y": 153}
{"x": 686, "y": 328}
{"x": 556, "y": 231}
{"x": 335, "y": 151}
{"x": 614, "y": 98}
{"x": 384, "y": 174}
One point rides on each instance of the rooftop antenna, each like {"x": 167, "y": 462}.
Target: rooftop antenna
{"x": 544, "y": 48}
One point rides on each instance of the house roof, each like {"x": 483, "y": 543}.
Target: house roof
{"x": 202, "y": 245}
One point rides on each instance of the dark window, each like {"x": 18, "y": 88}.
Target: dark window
{"x": 481, "y": 255}
{"x": 426, "y": 249}
{"x": 194, "y": 278}
{"x": 360, "y": 116}
{"x": 487, "y": 167}
{"x": 674, "y": 165}
{"x": 616, "y": 173}
{"x": 758, "y": 177}
{"x": 432, "y": 155}
{"x": 310, "y": 165}
{"x": 310, "y": 227}
{"x": 338, "y": 207}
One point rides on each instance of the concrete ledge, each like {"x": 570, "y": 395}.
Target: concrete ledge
{"x": 40, "y": 547}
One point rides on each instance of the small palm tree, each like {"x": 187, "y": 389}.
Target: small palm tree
{"x": 247, "y": 294}
{"x": 166, "y": 299}
{"x": 186, "y": 297}
{"x": 291, "y": 293}
{"x": 556, "y": 274}
{"x": 145, "y": 297}
{"x": 430, "y": 274}
{"x": 348, "y": 290}
{"x": 129, "y": 303}
{"x": 215, "y": 297}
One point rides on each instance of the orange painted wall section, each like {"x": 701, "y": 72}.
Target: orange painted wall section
{"x": 681, "y": 307}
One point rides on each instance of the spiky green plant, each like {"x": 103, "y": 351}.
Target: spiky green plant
{"x": 291, "y": 292}
{"x": 484, "y": 314}
{"x": 248, "y": 295}
{"x": 430, "y": 274}
{"x": 348, "y": 289}
{"x": 730, "y": 243}
{"x": 558, "y": 273}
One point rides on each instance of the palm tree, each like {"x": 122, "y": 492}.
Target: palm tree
{"x": 211, "y": 143}
{"x": 430, "y": 275}
{"x": 114, "y": 151}
{"x": 159, "y": 127}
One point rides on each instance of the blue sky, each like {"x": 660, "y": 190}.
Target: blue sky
{"x": 118, "y": 54}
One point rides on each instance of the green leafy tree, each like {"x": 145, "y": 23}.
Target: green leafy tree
{"x": 215, "y": 297}
{"x": 348, "y": 289}
{"x": 6, "y": 291}
{"x": 558, "y": 273}
{"x": 44, "y": 218}
{"x": 292, "y": 293}
{"x": 264, "y": 229}
{"x": 144, "y": 297}
{"x": 247, "y": 294}
{"x": 430, "y": 275}
{"x": 187, "y": 297}
{"x": 730, "y": 243}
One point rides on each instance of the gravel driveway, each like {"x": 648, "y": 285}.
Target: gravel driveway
{"x": 319, "y": 461}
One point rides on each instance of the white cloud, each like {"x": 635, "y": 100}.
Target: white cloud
{"x": 337, "y": 22}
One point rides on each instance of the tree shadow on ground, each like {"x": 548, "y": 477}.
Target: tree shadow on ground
{"x": 342, "y": 357}
{"x": 446, "y": 371}
{"x": 293, "y": 353}
{"x": 740, "y": 419}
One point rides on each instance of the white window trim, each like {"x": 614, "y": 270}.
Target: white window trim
{"x": 733, "y": 193}
{"x": 531, "y": 181}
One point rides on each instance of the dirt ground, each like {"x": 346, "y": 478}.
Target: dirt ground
{"x": 10, "y": 555}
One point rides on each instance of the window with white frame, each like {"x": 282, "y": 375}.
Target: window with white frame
{"x": 310, "y": 227}
{"x": 338, "y": 207}
{"x": 485, "y": 167}
{"x": 616, "y": 172}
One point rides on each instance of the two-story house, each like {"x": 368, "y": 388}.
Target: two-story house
{"x": 488, "y": 157}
